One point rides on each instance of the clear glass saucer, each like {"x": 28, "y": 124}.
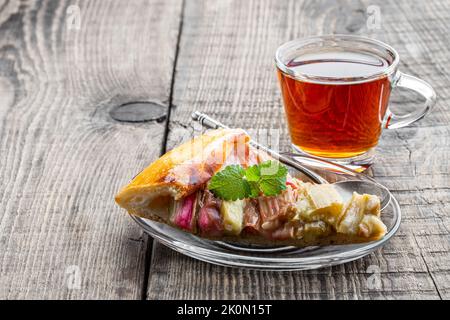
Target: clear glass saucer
{"x": 283, "y": 258}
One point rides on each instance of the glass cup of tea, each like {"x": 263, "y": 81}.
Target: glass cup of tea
{"x": 336, "y": 91}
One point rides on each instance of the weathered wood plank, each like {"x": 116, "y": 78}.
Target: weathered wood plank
{"x": 225, "y": 68}
{"x": 62, "y": 156}
{"x": 212, "y": 282}
{"x": 442, "y": 281}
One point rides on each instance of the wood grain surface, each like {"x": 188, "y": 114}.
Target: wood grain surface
{"x": 63, "y": 157}
{"x": 225, "y": 68}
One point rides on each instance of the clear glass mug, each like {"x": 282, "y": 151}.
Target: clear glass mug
{"x": 336, "y": 92}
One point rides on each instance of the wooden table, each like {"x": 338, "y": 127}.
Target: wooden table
{"x": 65, "y": 66}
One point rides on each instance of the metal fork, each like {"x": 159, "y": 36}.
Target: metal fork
{"x": 209, "y": 122}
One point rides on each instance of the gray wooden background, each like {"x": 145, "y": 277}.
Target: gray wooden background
{"x": 66, "y": 65}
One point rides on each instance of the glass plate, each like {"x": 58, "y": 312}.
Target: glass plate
{"x": 283, "y": 258}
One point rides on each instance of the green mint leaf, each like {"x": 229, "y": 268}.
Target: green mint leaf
{"x": 254, "y": 189}
{"x": 253, "y": 173}
{"x": 272, "y": 186}
{"x": 233, "y": 182}
{"x": 228, "y": 184}
{"x": 273, "y": 178}
{"x": 272, "y": 169}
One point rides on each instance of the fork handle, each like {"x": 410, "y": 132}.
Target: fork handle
{"x": 214, "y": 124}
{"x": 207, "y": 121}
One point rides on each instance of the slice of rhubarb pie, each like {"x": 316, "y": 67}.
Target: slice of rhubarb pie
{"x": 217, "y": 186}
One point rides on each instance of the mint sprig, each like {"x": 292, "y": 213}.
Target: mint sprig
{"x": 234, "y": 182}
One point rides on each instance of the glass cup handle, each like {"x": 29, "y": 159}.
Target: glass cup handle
{"x": 409, "y": 82}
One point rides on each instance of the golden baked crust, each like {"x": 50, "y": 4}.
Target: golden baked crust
{"x": 184, "y": 170}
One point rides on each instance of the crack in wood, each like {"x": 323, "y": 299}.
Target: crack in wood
{"x": 151, "y": 246}
{"x": 428, "y": 268}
